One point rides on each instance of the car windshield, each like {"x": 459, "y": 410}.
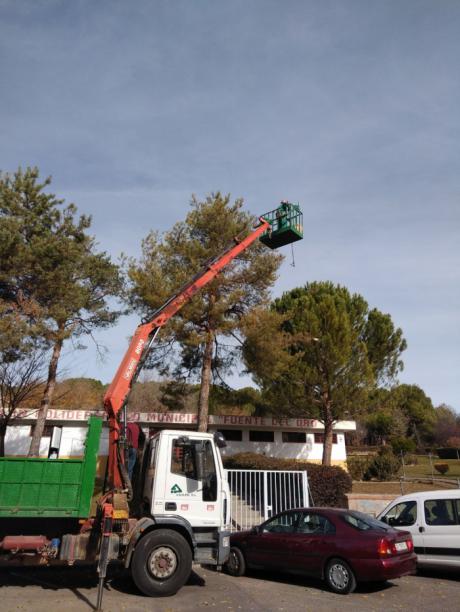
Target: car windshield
{"x": 363, "y": 522}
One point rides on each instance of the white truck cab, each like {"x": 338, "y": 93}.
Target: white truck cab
{"x": 433, "y": 518}
{"x": 198, "y": 493}
{"x": 184, "y": 511}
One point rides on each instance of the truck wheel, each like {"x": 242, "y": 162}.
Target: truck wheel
{"x": 236, "y": 564}
{"x": 162, "y": 563}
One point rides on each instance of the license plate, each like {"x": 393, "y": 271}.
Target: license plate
{"x": 400, "y": 546}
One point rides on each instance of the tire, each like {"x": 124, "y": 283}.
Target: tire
{"x": 340, "y": 577}
{"x": 162, "y": 563}
{"x": 236, "y": 564}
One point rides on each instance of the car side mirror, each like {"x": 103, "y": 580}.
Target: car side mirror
{"x": 254, "y": 530}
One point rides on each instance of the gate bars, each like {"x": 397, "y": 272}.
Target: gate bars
{"x": 256, "y": 495}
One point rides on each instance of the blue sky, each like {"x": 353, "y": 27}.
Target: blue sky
{"x": 349, "y": 107}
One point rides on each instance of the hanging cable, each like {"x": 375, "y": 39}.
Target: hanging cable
{"x": 292, "y": 254}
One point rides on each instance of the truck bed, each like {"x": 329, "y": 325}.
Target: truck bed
{"x": 36, "y": 487}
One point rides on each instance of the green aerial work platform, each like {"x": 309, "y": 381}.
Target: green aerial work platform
{"x": 36, "y": 487}
{"x": 286, "y": 225}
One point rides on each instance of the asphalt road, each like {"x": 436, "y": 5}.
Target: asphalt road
{"x": 75, "y": 590}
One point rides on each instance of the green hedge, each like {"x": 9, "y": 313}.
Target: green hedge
{"x": 328, "y": 484}
{"x": 448, "y": 453}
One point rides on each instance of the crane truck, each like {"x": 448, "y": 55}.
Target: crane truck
{"x": 178, "y": 511}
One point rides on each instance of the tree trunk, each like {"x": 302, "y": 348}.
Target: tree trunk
{"x": 2, "y": 438}
{"x": 328, "y": 422}
{"x": 417, "y": 437}
{"x": 34, "y": 450}
{"x": 203, "y": 401}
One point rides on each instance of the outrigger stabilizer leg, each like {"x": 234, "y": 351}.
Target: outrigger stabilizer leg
{"x": 107, "y": 524}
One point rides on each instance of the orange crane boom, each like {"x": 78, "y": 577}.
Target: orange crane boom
{"x": 117, "y": 394}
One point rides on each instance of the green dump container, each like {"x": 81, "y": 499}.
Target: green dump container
{"x": 286, "y": 225}
{"x": 35, "y": 487}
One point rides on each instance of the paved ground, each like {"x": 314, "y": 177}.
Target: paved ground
{"x": 74, "y": 590}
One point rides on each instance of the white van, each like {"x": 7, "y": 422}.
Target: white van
{"x": 433, "y": 518}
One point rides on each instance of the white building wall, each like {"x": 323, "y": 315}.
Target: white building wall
{"x": 286, "y": 450}
{"x": 73, "y": 423}
{"x": 17, "y": 440}
{"x": 18, "y": 437}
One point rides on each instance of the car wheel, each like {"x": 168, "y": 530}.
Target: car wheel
{"x": 236, "y": 564}
{"x": 162, "y": 563}
{"x": 339, "y": 577}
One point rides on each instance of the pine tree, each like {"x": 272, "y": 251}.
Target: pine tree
{"x": 203, "y": 330}
{"x": 319, "y": 351}
{"x": 51, "y": 278}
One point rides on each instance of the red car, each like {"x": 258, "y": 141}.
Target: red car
{"x": 342, "y": 547}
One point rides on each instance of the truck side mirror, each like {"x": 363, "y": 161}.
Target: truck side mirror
{"x": 219, "y": 439}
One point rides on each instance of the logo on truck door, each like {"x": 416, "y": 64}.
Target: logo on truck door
{"x": 176, "y": 489}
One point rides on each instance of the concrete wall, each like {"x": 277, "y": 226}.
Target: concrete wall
{"x": 370, "y": 503}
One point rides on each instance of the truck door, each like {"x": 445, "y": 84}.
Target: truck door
{"x": 149, "y": 477}
{"x": 198, "y": 501}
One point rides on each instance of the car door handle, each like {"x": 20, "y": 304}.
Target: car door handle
{"x": 421, "y": 529}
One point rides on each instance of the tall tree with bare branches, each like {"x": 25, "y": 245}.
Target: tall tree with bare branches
{"x": 21, "y": 381}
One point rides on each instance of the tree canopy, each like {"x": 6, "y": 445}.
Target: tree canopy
{"x": 384, "y": 418}
{"x": 418, "y": 410}
{"x": 447, "y": 425}
{"x": 52, "y": 278}
{"x": 202, "y": 331}
{"x": 319, "y": 350}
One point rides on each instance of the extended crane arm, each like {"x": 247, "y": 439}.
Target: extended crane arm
{"x": 116, "y": 396}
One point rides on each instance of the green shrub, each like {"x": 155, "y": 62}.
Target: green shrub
{"x": 328, "y": 484}
{"x": 384, "y": 466}
{"x": 448, "y": 453}
{"x": 411, "y": 460}
{"x": 403, "y": 446}
{"x": 358, "y": 465}
{"x": 442, "y": 468}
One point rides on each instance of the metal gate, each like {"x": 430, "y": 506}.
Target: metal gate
{"x": 256, "y": 495}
